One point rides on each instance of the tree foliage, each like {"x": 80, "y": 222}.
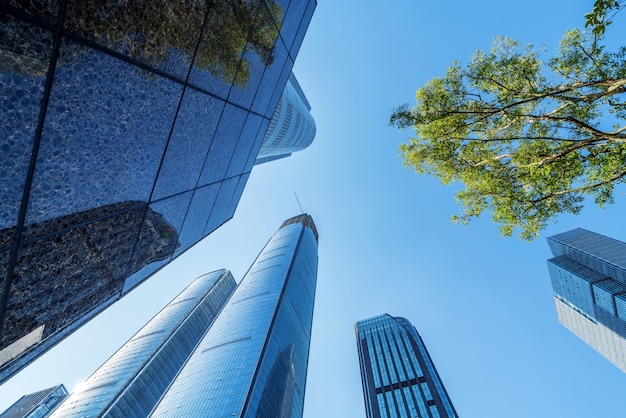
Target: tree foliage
{"x": 529, "y": 138}
{"x": 602, "y": 15}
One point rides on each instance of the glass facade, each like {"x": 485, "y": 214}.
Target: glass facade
{"x": 253, "y": 360}
{"x": 292, "y": 127}
{"x": 398, "y": 376}
{"x": 127, "y": 134}
{"x": 37, "y": 405}
{"x": 130, "y": 382}
{"x": 588, "y": 275}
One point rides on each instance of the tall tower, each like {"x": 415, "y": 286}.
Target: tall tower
{"x": 38, "y": 404}
{"x": 588, "y": 275}
{"x": 253, "y": 360}
{"x": 398, "y": 376}
{"x": 123, "y": 142}
{"x": 130, "y": 382}
{"x": 292, "y": 127}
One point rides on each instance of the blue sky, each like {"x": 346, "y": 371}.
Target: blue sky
{"x": 482, "y": 303}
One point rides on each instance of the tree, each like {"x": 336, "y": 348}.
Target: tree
{"x": 528, "y": 138}
{"x": 598, "y": 19}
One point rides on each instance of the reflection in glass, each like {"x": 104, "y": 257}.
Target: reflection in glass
{"x": 61, "y": 276}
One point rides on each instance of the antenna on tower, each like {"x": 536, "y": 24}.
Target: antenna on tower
{"x": 298, "y": 200}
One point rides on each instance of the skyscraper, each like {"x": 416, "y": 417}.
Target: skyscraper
{"x": 588, "y": 275}
{"x": 37, "y": 405}
{"x": 251, "y": 361}
{"x": 130, "y": 382}
{"x": 292, "y": 127}
{"x": 128, "y": 132}
{"x": 398, "y": 376}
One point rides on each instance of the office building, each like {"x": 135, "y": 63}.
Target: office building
{"x": 131, "y": 381}
{"x": 249, "y": 361}
{"x": 398, "y": 376}
{"x": 588, "y": 275}
{"x": 292, "y": 127}
{"x": 253, "y": 360}
{"x": 128, "y": 133}
{"x": 37, "y": 405}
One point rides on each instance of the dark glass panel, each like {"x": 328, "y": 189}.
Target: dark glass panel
{"x": 233, "y": 29}
{"x": 197, "y": 216}
{"x": 61, "y": 277}
{"x": 189, "y": 144}
{"x": 219, "y": 215}
{"x": 223, "y": 145}
{"x": 291, "y": 21}
{"x": 280, "y": 87}
{"x": 25, "y": 53}
{"x": 160, "y": 33}
{"x": 48, "y": 10}
{"x": 105, "y": 134}
{"x": 304, "y": 25}
{"x": 272, "y": 79}
{"x": 257, "y": 145}
{"x": 259, "y": 54}
{"x": 234, "y": 201}
{"x": 158, "y": 238}
{"x": 244, "y": 145}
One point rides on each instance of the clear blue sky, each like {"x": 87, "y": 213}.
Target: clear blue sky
{"x": 482, "y": 303}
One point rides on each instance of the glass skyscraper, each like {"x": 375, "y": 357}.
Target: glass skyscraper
{"x": 250, "y": 361}
{"x": 253, "y": 360}
{"x": 128, "y": 131}
{"x": 292, "y": 127}
{"x": 398, "y": 376}
{"x": 130, "y": 382}
{"x": 588, "y": 275}
{"x": 37, "y": 405}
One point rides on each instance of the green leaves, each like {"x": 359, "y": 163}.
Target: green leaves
{"x": 522, "y": 134}
{"x": 598, "y": 18}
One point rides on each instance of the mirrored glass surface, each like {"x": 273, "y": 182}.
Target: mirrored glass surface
{"x": 25, "y": 52}
{"x": 189, "y": 144}
{"x": 161, "y": 34}
{"x": 197, "y": 216}
{"x": 106, "y": 128}
{"x": 223, "y": 145}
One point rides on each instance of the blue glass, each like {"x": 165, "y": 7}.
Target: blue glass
{"x": 23, "y": 69}
{"x": 291, "y": 22}
{"x": 588, "y": 276}
{"x": 197, "y": 216}
{"x": 47, "y": 10}
{"x": 399, "y": 378}
{"x": 189, "y": 144}
{"x": 272, "y": 81}
{"x": 106, "y": 126}
{"x": 131, "y": 381}
{"x": 247, "y": 138}
{"x": 304, "y": 25}
{"x": 252, "y": 362}
{"x": 220, "y": 212}
{"x": 257, "y": 145}
{"x": 160, "y": 34}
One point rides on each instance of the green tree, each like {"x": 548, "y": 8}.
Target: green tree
{"x": 528, "y": 138}
{"x": 602, "y": 15}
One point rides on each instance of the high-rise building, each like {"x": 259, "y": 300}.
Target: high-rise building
{"x": 250, "y": 361}
{"x": 398, "y": 376}
{"x": 292, "y": 127}
{"x": 37, "y": 405}
{"x": 253, "y": 360}
{"x": 588, "y": 275}
{"x": 130, "y": 382}
{"x": 127, "y": 134}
